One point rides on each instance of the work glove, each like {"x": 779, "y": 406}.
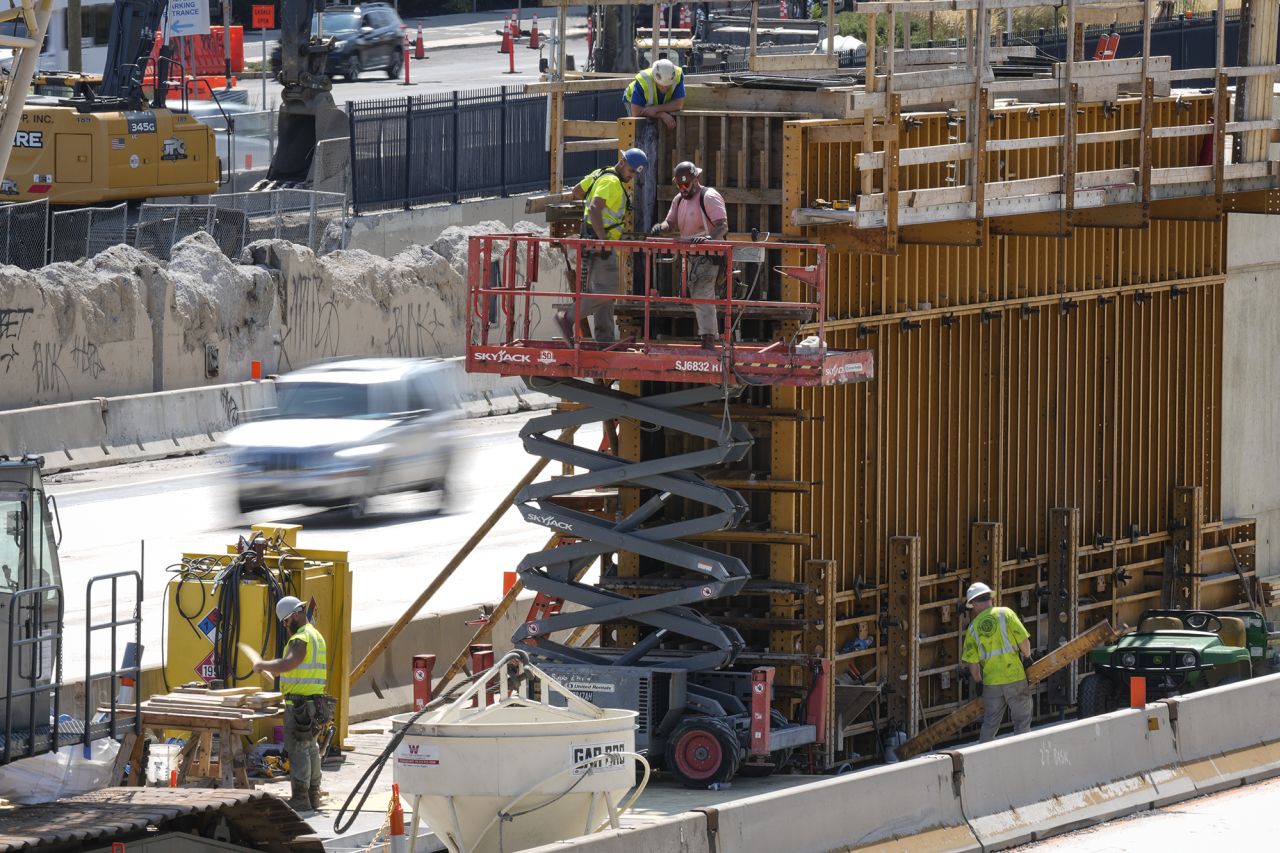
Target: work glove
{"x": 659, "y": 229}
{"x": 700, "y": 239}
{"x": 977, "y": 690}
{"x": 1027, "y": 661}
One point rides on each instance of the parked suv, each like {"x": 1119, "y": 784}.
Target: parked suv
{"x": 367, "y": 37}
{"x": 344, "y": 432}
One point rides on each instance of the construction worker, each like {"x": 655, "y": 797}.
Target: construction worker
{"x": 998, "y": 651}
{"x": 657, "y": 92}
{"x": 606, "y": 203}
{"x": 303, "y": 673}
{"x": 698, "y": 214}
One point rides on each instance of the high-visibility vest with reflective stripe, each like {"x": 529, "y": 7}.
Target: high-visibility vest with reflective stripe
{"x": 998, "y": 655}
{"x": 606, "y": 184}
{"x": 652, "y": 96}
{"x": 311, "y": 676}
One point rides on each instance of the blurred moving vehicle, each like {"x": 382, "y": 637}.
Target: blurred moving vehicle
{"x": 367, "y": 37}
{"x": 348, "y": 431}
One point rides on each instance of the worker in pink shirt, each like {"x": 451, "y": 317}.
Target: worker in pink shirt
{"x": 698, "y": 214}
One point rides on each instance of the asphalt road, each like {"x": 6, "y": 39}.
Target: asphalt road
{"x": 185, "y": 505}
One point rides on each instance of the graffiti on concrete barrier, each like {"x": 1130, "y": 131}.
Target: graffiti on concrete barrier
{"x": 312, "y": 324}
{"x": 84, "y": 355}
{"x": 414, "y": 332}
{"x": 230, "y": 409}
{"x": 44, "y": 364}
{"x": 11, "y": 320}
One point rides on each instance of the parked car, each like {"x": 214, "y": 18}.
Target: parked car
{"x": 1179, "y": 651}
{"x": 368, "y": 37}
{"x": 344, "y": 432}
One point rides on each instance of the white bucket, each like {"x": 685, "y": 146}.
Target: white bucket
{"x": 162, "y": 759}
{"x": 520, "y": 772}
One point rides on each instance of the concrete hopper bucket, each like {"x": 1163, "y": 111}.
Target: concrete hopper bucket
{"x": 517, "y": 761}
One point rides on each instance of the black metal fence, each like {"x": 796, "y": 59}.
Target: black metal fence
{"x": 455, "y": 146}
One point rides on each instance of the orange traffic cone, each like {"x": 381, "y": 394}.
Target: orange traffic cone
{"x": 506, "y": 38}
{"x": 395, "y": 817}
{"x": 533, "y": 34}
{"x": 419, "y": 46}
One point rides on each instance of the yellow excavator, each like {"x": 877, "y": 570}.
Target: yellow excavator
{"x": 105, "y": 144}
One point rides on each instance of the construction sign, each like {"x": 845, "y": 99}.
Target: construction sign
{"x": 264, "y": 17}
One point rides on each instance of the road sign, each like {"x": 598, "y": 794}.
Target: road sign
{"x": 264, "y": 17}
{"x": 189, "y": 17}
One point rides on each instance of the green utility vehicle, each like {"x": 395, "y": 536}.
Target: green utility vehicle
{"x": 1179, "y": 651}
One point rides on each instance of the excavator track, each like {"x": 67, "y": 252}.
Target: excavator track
{"x": 553, "y": 571}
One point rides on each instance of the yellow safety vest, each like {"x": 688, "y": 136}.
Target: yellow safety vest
{"x": 310, "y": 678}
{"x": 652, "y": 96}
{"x": 992, "y": 640}
{"x": 605, "y": 183}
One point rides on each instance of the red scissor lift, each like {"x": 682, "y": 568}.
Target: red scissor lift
{"x": 700, "y": 717}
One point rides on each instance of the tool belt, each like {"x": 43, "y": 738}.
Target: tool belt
{"x": 311, "y": 713}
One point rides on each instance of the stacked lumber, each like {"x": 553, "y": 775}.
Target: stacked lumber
{"x": 230, "y": 703}
{"x": 1270, "y": 588}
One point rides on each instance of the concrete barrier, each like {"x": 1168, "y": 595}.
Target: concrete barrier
{"x": 1063, "y": 777}
{"x": 66, "y": 434}
{"x": 913, "y": 800}
{"x": 682, "y": 833}
{"x": 1229, "y": 735}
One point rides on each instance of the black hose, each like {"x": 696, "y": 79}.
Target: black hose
{"x": 374, "y": 770}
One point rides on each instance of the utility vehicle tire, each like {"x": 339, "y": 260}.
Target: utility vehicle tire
{"x": 702, "y": 751}
{"x": 1096, "y": 696}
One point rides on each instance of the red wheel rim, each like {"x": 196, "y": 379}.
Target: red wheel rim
{"x": 698, "y": 754}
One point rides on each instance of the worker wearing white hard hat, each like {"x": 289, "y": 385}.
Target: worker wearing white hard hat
{"x": 657, "y": 92}
{"x": 303, "y": 673}
{"x": 998, "y": 651}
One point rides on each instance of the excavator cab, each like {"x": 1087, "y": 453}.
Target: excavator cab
{"x": 30, "y": 601}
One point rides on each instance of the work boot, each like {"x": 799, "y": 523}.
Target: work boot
{"x": 300, "y": 797}
{"x": 709, "y": 342}
{"x": 316, "y": 796}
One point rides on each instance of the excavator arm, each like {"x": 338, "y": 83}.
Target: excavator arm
{"x": 308, "y": 114}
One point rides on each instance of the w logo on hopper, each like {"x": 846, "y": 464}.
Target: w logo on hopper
{"x": 413, "y": 749}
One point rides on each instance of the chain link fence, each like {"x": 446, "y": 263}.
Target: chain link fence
{"x": 25, "y": 237}
{"x": 85, "y": 232}
{"x": 234, "y": 220}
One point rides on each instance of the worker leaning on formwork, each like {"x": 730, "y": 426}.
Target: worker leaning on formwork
{"x": 998, "y": 651}
{"x": 698, "y": 214}
{"x": 303, "y": 672}
{"x": 606, "y": 202}
{"x": 657, "y": 92}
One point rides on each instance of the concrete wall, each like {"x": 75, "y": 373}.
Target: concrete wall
{"x": 123, "y": 323}
{"x": 1251, "y": 382}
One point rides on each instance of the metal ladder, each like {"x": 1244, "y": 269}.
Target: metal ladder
{"x": 553, "y": 572}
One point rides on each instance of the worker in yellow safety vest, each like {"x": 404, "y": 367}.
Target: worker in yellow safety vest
{"x": 605, "y": 206}
{"x": 303, "y": 673}
{"x": 998, "y": 651}
{"x": 657, "y": 92}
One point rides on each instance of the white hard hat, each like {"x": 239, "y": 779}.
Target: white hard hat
{"x": 288, "y": 606}
{"x": 664, "y": 72}
{"x": 976, "y": 590}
